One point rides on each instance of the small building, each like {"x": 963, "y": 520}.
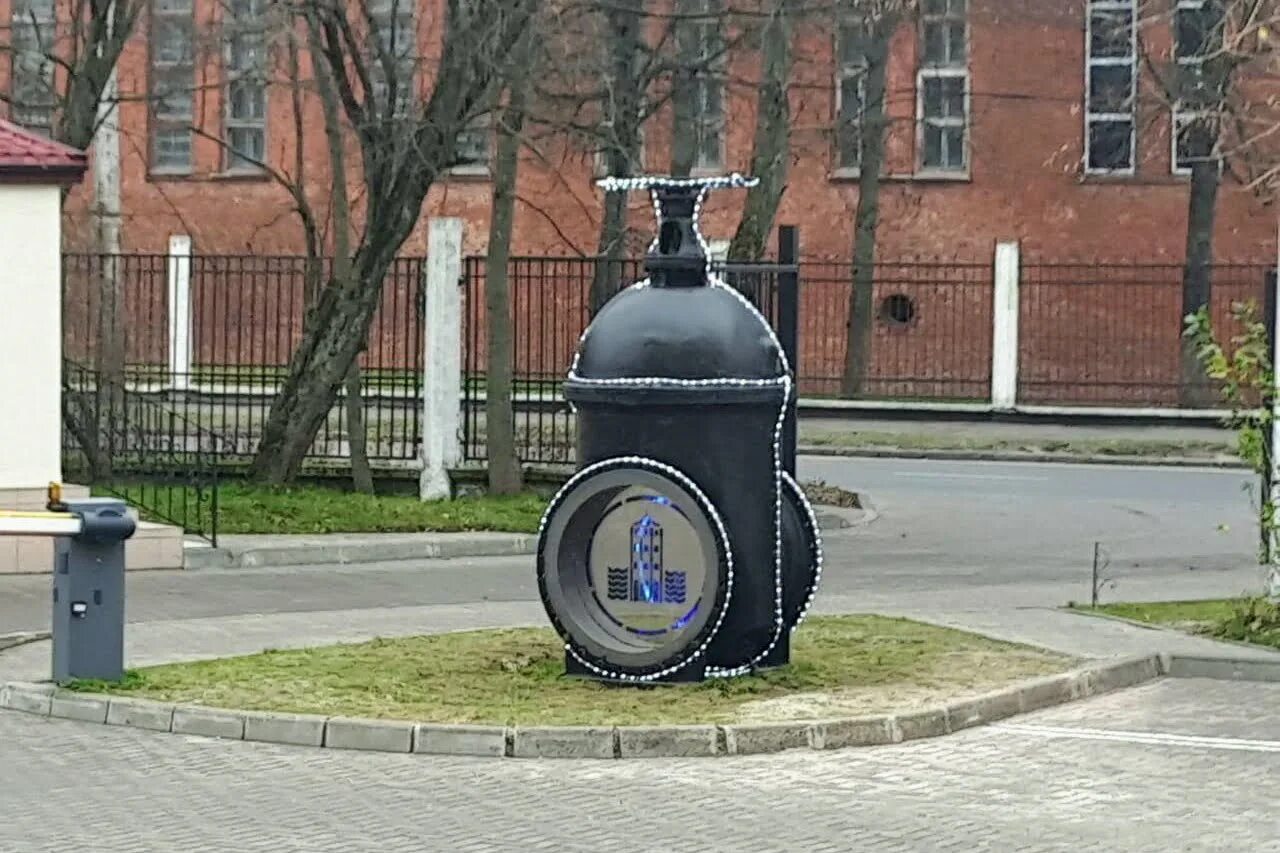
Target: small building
{"x": 34, "y": 173}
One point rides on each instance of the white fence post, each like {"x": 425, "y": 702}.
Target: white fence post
{"x": 179, "y": 269}
{"x": 1004, "y": 332}
{"x": 442, "y": 358}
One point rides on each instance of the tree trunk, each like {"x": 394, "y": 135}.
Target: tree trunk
{"x": 867, "y": 219}
{"x": 500, "y": 441}
{"x": 357, "y": 435}
{"x": 684, "y": 137}
{"x": 612, "y": 252}
{"x": 772, "y": 149}
{"x": 320, "y": 365}
{"x": 1196, "y": 391}
{"x": 621, "y": 132}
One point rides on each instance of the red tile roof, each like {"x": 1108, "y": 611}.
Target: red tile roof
{"x": 28, "y": 157}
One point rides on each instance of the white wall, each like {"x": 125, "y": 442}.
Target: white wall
{"x": 30, "y": 336}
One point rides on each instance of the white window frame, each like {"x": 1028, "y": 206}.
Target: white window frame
{"x": 232, "y": 75}
{"x": 481, "y": 126}
{"x": 600, "y": 163}
{"x": 1090, "y": 62}
{"x": 845, "y": 71}
{"x": 43, "y": 32}
{"x": 704, "y": 81}
{"x": 926, "y": 71}
{"x": 156, "y": 68}
{"x": 1177, "y": 116}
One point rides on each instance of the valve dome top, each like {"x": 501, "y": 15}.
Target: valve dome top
{"x": 681, "y": 323}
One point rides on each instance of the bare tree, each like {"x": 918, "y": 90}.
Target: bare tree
{"x": 406, "y": 139}
{"x": 1201, "y": 82}
{"x": 63, "y": 65}
{"x": 771, "y": 154}
{"x": 503, "y": 461}
{"x": 866, "y": 28}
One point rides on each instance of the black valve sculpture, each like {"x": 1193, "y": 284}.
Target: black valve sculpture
{"x": 680, "y": 549}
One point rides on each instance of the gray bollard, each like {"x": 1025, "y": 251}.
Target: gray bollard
{"x": 88, "y": 592}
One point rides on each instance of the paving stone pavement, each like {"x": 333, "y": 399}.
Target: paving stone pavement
{"x": 68, "y": 786}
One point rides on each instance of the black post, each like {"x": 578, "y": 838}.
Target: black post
{"x": 789, "y": 331}
{"x": 1269, "y": 321}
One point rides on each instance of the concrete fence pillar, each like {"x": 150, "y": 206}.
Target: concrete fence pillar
{"x": 1004, "y": 332}
{"x": 179, "y": 270}
{"x": 442, "y": 358}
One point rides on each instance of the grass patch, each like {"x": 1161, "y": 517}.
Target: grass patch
{"x": 244, "y": 508}
{"x": 1074, "y": 447}
{"x": 312, "y": 509}
{"x": 250, "y": 509}
{"x": 841, "y": 665}
{"x": 1246, "y": 620}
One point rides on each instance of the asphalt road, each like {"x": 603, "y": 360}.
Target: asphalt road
{"x": 950, "y": 534}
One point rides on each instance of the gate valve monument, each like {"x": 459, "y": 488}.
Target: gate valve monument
{"x": 681, "y": 549}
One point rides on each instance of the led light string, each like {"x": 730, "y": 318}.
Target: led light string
{"x": 815, "y": 547}
{"x": 704, "y": 504}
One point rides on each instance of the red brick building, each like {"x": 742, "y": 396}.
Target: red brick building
{"x": 991, "y": 117}
{"x": 1028, "y": 120}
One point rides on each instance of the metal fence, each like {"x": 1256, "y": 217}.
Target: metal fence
{"x": 550, "y": 309}
{"x": 931, "y": 329}
{"x": 1111, "y": 333}
{"x": 119, "y": 441}
{"x": 231, "y": 346}
{"x": 1090, "y": 333}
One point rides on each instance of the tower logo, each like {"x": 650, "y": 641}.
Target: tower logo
{"x": 645, "y": 579}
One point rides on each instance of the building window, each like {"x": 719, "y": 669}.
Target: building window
{"x": 1197, "y": 30}
{"x": 851, "y": 95}
{"x": 397, "y": 37}
{"x": 32, "y": 41}
{"x": 943, "y": 86}
{"x": 708, "y": 87}
{"x": 471, "y": 149}
{"x": 246, "y": 93}
{"x": 172, "y": 85}
{"x": 601, "y": 155}
{"x": 1110, "y": 87}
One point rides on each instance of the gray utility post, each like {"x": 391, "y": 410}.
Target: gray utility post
{"x": 88, "y": 592}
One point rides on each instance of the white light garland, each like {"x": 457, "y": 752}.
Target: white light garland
{"x": 736, "y": 180}
{"x": 705, "y": 505}
{"x": 815, "y": 547}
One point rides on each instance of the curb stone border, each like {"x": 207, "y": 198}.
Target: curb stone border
{"x": 606, "y": 742}
{"x": 961, "y": 455}
{"x": 21, "y": 638}
{"x": 831, "y": 519}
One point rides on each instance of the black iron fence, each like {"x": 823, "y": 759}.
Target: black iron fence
{"x": 210, "y": 337}
{"x": 1111, "y": 333}
{"x": 120, "y": 441}
{"x": 213, "y": 335}
{"x": 550, "y": 302}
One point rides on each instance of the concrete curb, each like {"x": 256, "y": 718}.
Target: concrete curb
{"x": 319, "y": 553}
{"x": 612, "y": 742}
{"x": 21, "y": 638}
{"x": 958, "y": 455}
{"x": 1222, "y": 669}
{"x": 316, "y": 552}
